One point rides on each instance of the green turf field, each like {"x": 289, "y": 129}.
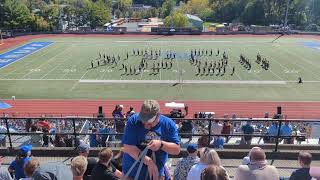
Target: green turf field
{"x": 62, "y": 70}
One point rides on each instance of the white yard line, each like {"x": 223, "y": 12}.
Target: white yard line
{"x": 76, "y": 83}
{"x": 52, "y": 58}
{"x": 57, "y": 65}
{"x": 183, "y": 82}
{"x": 31, "y": 61}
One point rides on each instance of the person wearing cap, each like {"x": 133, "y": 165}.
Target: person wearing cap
{"x": 22, "y": 158}
{"x": 83, "y": 150}
{"x": 149, "y": 129}
{"x": 184, "y": 165}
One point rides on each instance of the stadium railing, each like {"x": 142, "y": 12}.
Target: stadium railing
{"x": 79, "y": 126}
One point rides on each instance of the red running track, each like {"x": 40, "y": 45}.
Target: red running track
{"x": 35, "y": 108}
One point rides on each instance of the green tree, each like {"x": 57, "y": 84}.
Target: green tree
{"x": 254, "y": 13}
{"x": 99, "y": 15}
{"x": 167, "y": 7}
{"x": 15, "y": 15}
{"x": 176, "y": 20}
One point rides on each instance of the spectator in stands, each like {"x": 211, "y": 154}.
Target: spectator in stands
{"x": 46, "y": 138}
{"x": 4, "y": 173}
{"x": 227, "y": 129}
{"x": 28, "y": 124}
{"x": 103, "y": 137}
{"x": 59, "y": 141}
{"x": 52, "y": 171}
{"x": 203, "y": 141}
{"x": 304, "y": 159}
{"x": 207, "y": 157}
{"x": 94, "y": 138}
{"x": 68, "y": 139}
{"x": 213, "y": 172}
{"x": 248, "y": 130}
{"x": 246, "y": 160}
{"x": 273, "y": 131}
{"x": 84, "y": 150}
{"x": 257, "y": 169}
{"x": 152, "y": 130}
{"x": 22, "y": 158}
{"x": 130, "y": 112}
{"x": 3, "y": 137}
{"x": 78, "y": 167}
{"x": 117, "y": 160}
{"x": 103, "y": 170}
{"x": 30, "y": 167}
{"x": 184, "y": 165}
{"x": 186, "y": 127}
{"x": 286, "y": 130}
{"x": 216, "y": 129}
{"x": 119, "y": 120}
{"x": 36, "y": 139}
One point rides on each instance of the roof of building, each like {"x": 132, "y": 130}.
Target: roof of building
{"x": 189, "y": 16}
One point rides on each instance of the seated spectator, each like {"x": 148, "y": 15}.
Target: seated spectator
{"x": 216, "y": 129}
{"x": 83, "y": 150}
{"x": 94, "y": 138}
{"x": 273, "y": 131}
{"x": 227, "y": 129}
{"x": 304, "y": 159}
{"x": 184, "y": 165}
{"x": 59, "y": 141}
{"x": 248, "y": 130}
{"x": 52, "y": 171}
{"x": 36, "y": 139}
{"x": 203, "y": 141}
{"x": 246, "y": 160}
{"x": 117, "y": 160}
{"x": 30, "y": 167}
{"x": 4, "y": 173}
{"x": 186, "y": 127}
{"x": 22, "y": 158}
{"x": 286, "y": 130}
{"x": 78, "y": 167}
{"x": 213, "y": 172}
{"x": 3, "y": 137}
{"x": 103, "y": 170}
{"x": 207, "y": 157}
{"x": 257, "y": 169}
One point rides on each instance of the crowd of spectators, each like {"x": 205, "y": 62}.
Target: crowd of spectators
{"x": 149, "y": 137}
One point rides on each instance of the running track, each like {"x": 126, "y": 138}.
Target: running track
{"x": 35, "y": 108}
{"x": 296, "y": 110}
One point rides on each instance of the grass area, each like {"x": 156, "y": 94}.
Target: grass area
{"x": 55, "y": 71}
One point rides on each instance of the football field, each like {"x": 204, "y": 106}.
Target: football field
{"x": 63, "y": 69}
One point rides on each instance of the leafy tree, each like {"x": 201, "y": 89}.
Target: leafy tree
{"x": 99, "y": 14}
{"x": 177, "y": 20}
{"x": 168, "y": 7}
{"x": 15, "y": 15}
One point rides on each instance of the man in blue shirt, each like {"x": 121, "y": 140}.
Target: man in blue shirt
{"x": 286, "y": 130}
{"x": 248, "y": 130}
{"x": 273, "y": 131}
{"x": 149, "y": 129}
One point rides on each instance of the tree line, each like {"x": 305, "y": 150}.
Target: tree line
{"x": 47, "y": 15}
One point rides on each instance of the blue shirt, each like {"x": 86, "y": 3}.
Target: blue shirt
{"x": 93, "y": 140}
{"x": 273, "y": 130}
{"x": 18, "y": 168}
{"x": 136, "y": 135}
{"x": 247, "y": 129}
{"x": 286, "y": 130}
